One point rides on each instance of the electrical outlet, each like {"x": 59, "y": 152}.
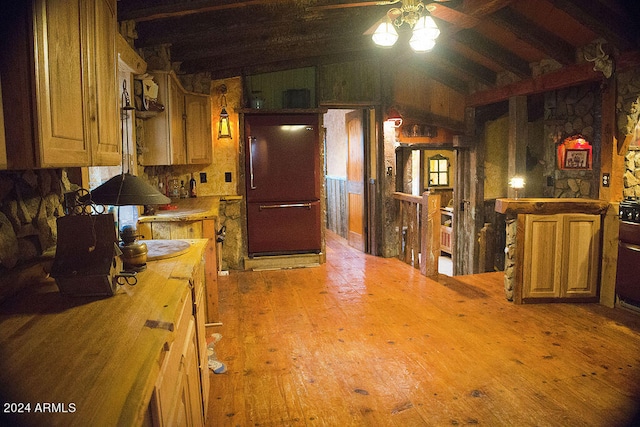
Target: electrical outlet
{"x": 227, "y": 177}
{"x": 203, "y": 177}
{"x": 606, "y": 178}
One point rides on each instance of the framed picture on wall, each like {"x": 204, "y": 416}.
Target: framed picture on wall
{"x": 576, "y": 159}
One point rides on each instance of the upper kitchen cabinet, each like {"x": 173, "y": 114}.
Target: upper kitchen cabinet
{"x": 58, "y": 70}
{"x": 198, "y": 128}
{"x": 103, "y": 100}
{"x": 181, "y": 133}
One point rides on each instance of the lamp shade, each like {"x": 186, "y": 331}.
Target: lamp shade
{"x": 385, "y": 35}
{"x": 126, "y": 189}
{"x": 425, "y": 34}
{"x": 224, "y": 125}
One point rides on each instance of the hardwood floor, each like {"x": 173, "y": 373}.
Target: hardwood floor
{"x": 368, "y": 341}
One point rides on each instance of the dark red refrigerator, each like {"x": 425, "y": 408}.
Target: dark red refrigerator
{"x": 283, "y": 184}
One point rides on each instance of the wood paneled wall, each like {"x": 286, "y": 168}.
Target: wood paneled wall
{"x": 349, "y": 82}
{"x": 337, "y": 209}
{"x": 414, "y": 89}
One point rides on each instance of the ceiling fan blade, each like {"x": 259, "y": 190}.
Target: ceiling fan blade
{"x": 355, "y": 4}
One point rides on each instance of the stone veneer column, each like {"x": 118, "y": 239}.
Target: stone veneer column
{"x": 510, "y": 257}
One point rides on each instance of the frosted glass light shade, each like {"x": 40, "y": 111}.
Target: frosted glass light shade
{"x": 425, "y": 34}
{"x": 420, "y": 43}
{"x": 428, "y": 27}
{"x": 385, "y": 35}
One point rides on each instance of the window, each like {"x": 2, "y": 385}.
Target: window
{"x": 438, "y": 171}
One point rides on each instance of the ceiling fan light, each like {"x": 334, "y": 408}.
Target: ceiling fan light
{"x": 385, "y": 35}
{"x": 428, "y": 26}
{"x": 420, "y": 42}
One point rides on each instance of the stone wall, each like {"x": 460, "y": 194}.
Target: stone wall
{"x": 571, "y": 111}
{"x": 31, "y": 201}
{"x": 628, "y": 110}
{"x": 510, "y": 258}
{"x": 230, "y": 217}
{"x": 632, "y": 174}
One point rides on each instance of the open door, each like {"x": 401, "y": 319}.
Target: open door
{"x": 356, "y": 181}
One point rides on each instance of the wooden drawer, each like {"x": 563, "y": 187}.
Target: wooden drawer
{"x": 166, "y": 394}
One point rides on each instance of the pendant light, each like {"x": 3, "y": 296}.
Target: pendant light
{"x": 127, "y": 189}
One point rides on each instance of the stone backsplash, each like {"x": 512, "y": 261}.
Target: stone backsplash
{"x": 30, "y": 203}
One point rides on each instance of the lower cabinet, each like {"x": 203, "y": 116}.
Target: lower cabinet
{"x": 561, "y": 256}
{"x": 191, "y": 229}
{"x": 181, "y": 393}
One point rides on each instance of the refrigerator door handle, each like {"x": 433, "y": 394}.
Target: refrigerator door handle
{"x": 252, "y": 185}
{"x": 286, "y": 205}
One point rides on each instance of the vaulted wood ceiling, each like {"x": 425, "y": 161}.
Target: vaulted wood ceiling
{"x": 480, "y": 41}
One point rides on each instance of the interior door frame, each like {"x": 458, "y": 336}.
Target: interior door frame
{"x": 368, "y": 114}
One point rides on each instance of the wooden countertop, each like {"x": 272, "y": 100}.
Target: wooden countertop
{"x": 96, "y": 359}
{"x": 191, "y": 209}
{"x": 550, "y": 206}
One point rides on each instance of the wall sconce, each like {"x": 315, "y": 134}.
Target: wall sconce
{"x": 394, "y": 117}
{"x": 224, "y": 126}
{"x": 517, "y": 183}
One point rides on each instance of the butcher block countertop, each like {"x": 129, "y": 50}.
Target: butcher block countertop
{"x": 88, "y": 361}
{"x": 191, "y": 209}
{"x": 551, "y": 206}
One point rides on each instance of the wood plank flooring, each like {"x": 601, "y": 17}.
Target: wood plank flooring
{"x": 368, "y": 341}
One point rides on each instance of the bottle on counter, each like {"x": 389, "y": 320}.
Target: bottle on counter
{"x": 183, "y": 191}
{"x": 174, "y": 188}
{"x": 192, "y": 187}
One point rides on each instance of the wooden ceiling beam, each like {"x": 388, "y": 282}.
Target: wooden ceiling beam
{"x": 490, "y": 49}
{"x": 465, "y": 65}
{"x": 571, "y": 75}
{"x": 154, "y": 10}
{"x": 527, "y": 30}
{"x": 235, "y": 27}
{"x": 622, "y": 31}
{"x": 219, "y": 71}
{"x": 300, "y": 52}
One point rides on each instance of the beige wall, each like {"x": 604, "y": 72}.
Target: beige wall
{"x": 336, "y": 140}
{"x": 496, "y": 136}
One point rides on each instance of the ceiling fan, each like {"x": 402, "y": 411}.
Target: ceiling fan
{"x": 435, "y": 8}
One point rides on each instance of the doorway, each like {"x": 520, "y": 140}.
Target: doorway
{"x": 346, "y": 170}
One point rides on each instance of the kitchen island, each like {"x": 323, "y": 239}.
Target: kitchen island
{"x": 130, "y": 359}
{"x": 552, "y": 248}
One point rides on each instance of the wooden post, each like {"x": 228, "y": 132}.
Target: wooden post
{"x": 612, "y": 163}
{"x": 430, "y": 239}
{"x": 518, "y": 120}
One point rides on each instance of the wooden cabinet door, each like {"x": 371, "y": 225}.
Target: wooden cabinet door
{"x": 59, "y": 83}
{"x": 198, "y": 128}
{"x": 561, "y": 256}
{"x": 581, "y": 254}
{"x": 103, "y": 121}
{"x": 192, "y": 381}
{"x": 176, "y": 123}
{"x": 542, "y": 257}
